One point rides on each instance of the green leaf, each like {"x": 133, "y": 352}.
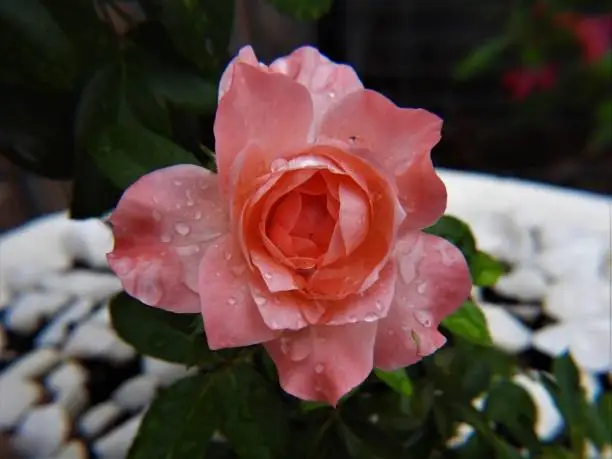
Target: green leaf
{"x": 126, "y": 153}
{"x": 604, "y": 409}
{"x": 180, "y": 422}
{"x": 455, "y": 231}
{"x": 303, "y": 9}
{"x": 519, "y": 420}
{"x": 485, "y": 269}
{"x": 253, "y": 416}
{"x": 158, "y": 333}
{"x": 200, "y": 30}
{"x": 397, "y": 380}
{"x": 556, "y": 452}
{"x": 482, "y": 58}
{"x": 365, "y": 440}
{"x": 38, "y": 46}
{"x": 470, "y": 323}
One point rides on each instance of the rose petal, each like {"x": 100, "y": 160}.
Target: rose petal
{"x": 434, "y": 281}
{"x": 277, "y": 277}
{"x": 323, "y": 363}
{"x": 279, "y": 311}
{"x": 161, "y": 226}
{"x": 261, "y": 108}
{"x": 231, "y": 317}
{"x": 246, "y": 55}
{"x": 353, "y": 217}
{"x": 369, "y": 306}
{"x": 326, "y": 81}
{"x": 422, "y": 194}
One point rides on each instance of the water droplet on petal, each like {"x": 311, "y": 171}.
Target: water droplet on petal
{"x": 332, "y": 94}
{"x": 157, "y": 216}
{"x": 197, "y": 215}
{"x": 238, "y": 269}
{"x": 228, "y": 256}
{"x": 284, "y": 345}
{"x": 177, "y": 182}
{"x": 148, "y": 289}
{"x": 187, "y": 250}
{"x": 231, "y": 301}
{"x": 182, "y": 228}
{"x": 278, "y": 164}
{"x": 155, "y": 199}
{"x": 319, "y": 368}
{"x": 123, "y": 266}
{"x": 260, "y": 300}
{"x": 422, "y": 288}
{"x": 390, "y": 332}
{"x": 165, "y": 238}
{"x": 352, "y": 319}
{"x": 406, "y": 328}
{"x": 370, "y": 317}
{"x": 379, "y": 305}
{"x": 423, "y": 317}
{"x": 267, "y": 276}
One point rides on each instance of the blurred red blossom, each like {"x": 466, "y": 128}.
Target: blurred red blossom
{"x": 523, "y": 81}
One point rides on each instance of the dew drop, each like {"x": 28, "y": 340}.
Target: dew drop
{"x": 422, "y": 288}
{"x": 319, "y": 368}
{"x": 155, "y": 200}
{"x": 165, "y": 238}
{"x": 278, "y": 164}
{"x": 231, "y": 301}
{"x": 177, "y": 182}
{"x": 370, "y": 317}
{"x": 332, "y": 94}
{"x": 148, "y": 289}
{"x": 267, "y": 276}
{"x": 156, "y": 216}
{"x": 187, "y": 250}
{"x": 197, "y": 215}
{"x": 379, "y": 305}
{"x": 423, "y": 317}
{"x": 390, "y": 332}
{"x": 123, "y": 266}
{"x": 238, "y": 269}
{"x": 260, "y": 300}
{"x": 182, "y": 228}
{"x": 228, "y": 256}
{"x": 352, "y": 319}
{"x": 284, "y": 345}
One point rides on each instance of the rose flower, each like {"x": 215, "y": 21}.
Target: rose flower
{"x": 308, "y": 240}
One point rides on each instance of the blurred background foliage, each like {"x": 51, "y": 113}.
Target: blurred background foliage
{"x": 95, "y": 94}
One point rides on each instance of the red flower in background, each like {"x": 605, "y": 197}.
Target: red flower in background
{"x": 594, "y": 33}
{"x": 521, "y": 82}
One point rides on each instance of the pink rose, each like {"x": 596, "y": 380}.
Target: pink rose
{"x": 309, "y": 238}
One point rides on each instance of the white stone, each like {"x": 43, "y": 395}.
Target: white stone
{"x": 135, "y": 393}
{"x": 92, "y": 340}
{"x": 56, "y": 332}
{"x": 588, "y": 341}
{"x": 32, "y": 365}
{"x": 73, "y": 398}
{"x": 66, "y": 375}
{"x": 116, "y": 443}
{"x": 43, "y": 432}
{"x": 17, "y": 396}
{"x": 581, "y": 258}
{"x": 499, "y": 235}
{"x": 28, "y": 310}
{"x": 85, "y": 284}
{"x": 98, "y": 418}
{"x": 34, "y": 244}
{"x": 577, "y": 298}
{"x": 88, "y": 241}
{"x": 462, "y": 434}
{"x": 548, "y": 419}
{"x": 101, "y": 316}
{"x": 24, "y": 278}
{"x": 524, "y": 283}
{"x": 166, "y": 373}
{"x": 75, "y": 449}
{"x": 506, "y": 330}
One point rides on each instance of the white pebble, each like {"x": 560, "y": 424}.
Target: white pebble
{"x": 32, "y": 365}
{"x": 548, "y": 419}
{"x": 101, "y": 316}
{"x": 43, "y": 432}
{"x": 30, "y": 309}
{"x": 68, "y": 374}
{"x": 499, "y": 235}
{"x": 135, "y": 393}
{"x": 523, "y": 283}
{"x": 462, "y": 434}
{"x": 84, "y": 284}
{"x": 577, "y": 299}
{"x": 580, "y": 258}
{"x": 17, "y": 396}
{"x": 506, "y": 330}
{"x": 98, "y": 418}
{"x": 166, "y": 373}
{"x": 88, "y": 241}
{"x": 588, "y": 341}
{"x": 116, "y": 443}
{"x": 92, "y": 340}
{"x": 56, "y": 332}
{"x": 20, "y": 279}
{"x": 73, "y": 398}
{"x": 75, "y": 449}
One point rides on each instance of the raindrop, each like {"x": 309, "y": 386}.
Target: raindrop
{"x": 267, "y": 276}
{"x": 165, "y": 238}
{"x": 155, "y": 200}
{"x": 238, "y": 269}
{"x": 390, "y": 332}
{"x": 332, "y": 94}
{"x": 123, "y": 266}
{"x": 197, "y": 215}
{"x": 278, "y": 164}
{"x": 352, "y": 319}
{"x": 177, "y": 182}
{"x": 148, "y": 290}
{"x": 423, "y": 317}
{"x": 187, "y": 250}
{"x": 319, "y": 368}
{"x": 228, "y": 256}
{"x": 156, "y": 216}
{"x": 182, "y": 228}
{"x": 422, "y": 288}
{"x": 231, "y": 301}
{"x": 379, "y": 305}
{"x": 260, "y": 300}
{"x": 370, "y": 317}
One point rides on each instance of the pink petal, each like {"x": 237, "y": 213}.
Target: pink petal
{"x": 434, "y": 281}
{"x": 162, "y": 225}
{"x": 231, "y": 317}
{"x": 279, "y": 311}
{"x": 266, "y": 109}
{"x": 369, "y": 306}
{"x": 277, "y": 277}
{"x": 422, "y": 194}
{"x": 354, "y": 216}
{"x": 323, "y": 363}
{"x": 326, "y": 81}
{"x": 246, "y": 55}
